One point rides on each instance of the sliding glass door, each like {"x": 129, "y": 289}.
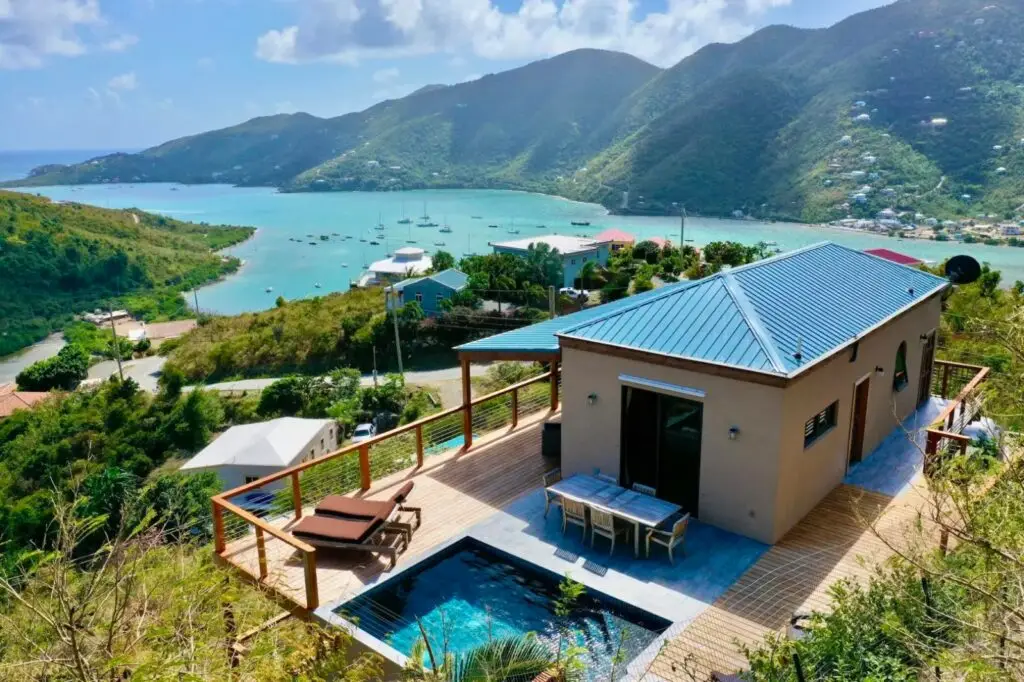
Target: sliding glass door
{"x": 661, "y": 438}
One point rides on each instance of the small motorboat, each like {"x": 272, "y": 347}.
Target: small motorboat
{"x": 493, "y": 226}
{"x": 269, "y": 289}
{"x": 446, "y": 229}
{"x": 438, "y": 243}
{"x": 374, "y": 243}
{"x": 317, "y": 285}
{"x": 580, "y": 223}
{"x": 344, "y": 265}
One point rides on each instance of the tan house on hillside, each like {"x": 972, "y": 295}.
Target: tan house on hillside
{"x": 743, "y": 397}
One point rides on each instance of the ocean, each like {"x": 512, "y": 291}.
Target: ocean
{"x": 280, "y": 256}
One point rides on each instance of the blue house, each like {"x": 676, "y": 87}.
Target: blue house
{"x": 428, "y": 291}
{"x": 575, "y": 251}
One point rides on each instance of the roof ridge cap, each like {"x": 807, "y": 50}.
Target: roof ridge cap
{"x": 750, "y": 315}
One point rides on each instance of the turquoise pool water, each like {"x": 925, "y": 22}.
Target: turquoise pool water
{"x": 470, "y": 592}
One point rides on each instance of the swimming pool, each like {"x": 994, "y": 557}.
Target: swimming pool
{"x": 470, "y": 592}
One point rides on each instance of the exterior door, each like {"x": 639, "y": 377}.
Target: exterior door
{"x": 924, "y": 386}
{"x": 661, "y": 440}
{"x": 859, "y": 420}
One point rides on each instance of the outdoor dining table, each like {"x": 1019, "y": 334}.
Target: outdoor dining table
{"x": 629, "y": 505}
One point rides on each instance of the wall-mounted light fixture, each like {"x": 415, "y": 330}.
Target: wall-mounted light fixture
{"x": 879, "y": 370}
{"x": 924, "y": 338}
{"x": 734, "y": 432}
{"x": 591, "y": 399}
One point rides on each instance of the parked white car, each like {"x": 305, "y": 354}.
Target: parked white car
{"x": 363, "y": 432}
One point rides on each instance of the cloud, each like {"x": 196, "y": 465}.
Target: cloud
{"x": 94, "y": 97}
{"x": 120, "y": 43}
{"x": 124, "y": 82}
{"x": 385, "y": 75}
{"x": 32, "y": 30}
{"x": 350, "y": 30}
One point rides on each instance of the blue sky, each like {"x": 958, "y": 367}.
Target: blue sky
{"x": 125, "y": 74}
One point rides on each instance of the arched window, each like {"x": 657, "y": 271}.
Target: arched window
{"x": 899, "y": 376}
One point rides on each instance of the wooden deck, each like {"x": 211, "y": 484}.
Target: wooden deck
{"x": 833, "y": 542}
{"x": 456, "y": 490}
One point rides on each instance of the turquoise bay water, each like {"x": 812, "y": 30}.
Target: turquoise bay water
{"x": 293, "y": 268}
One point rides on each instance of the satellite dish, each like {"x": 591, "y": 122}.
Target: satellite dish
{"x": 962, "y": 270}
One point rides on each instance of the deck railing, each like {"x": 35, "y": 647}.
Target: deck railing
{"x": 253, "y": 514}
{"x": 965, "y": 384}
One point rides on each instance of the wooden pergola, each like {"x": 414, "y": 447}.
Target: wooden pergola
{"x": 469, "y": 356}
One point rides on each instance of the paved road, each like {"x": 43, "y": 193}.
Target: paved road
{"x": 146, "y": 372}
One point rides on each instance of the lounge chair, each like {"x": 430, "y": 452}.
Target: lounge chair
{"x": 602, "y": 523}
{"x": 358, "y": 535}
{"x": 669, "y": 538}
{"x": 575, "y": 513}
{"x": 550, "y": 498}
{"x": 355, "y": 509}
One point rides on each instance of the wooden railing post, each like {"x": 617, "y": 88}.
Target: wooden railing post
{"x": 554, "y": 384}
{"x": 515, "y": 408}
{"x": 945, "y": 381}
{"x": 218, "y": 527}
{"x": 364, "y": 466}
{"x": 297, "y": 494}
{"x": 932, "y": 445}
{"x": 261, "y": 552}
{"x": 467, "y": 406}
{"x": 312, "y": 590}
{"x": 419, "y": 445}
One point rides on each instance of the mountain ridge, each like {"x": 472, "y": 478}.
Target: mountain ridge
{"x": 759, "y": 125}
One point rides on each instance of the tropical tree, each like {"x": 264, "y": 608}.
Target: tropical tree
{"x": 544, "y": 265}
{"x": 64, "y": 371}
{"x": 442, "y": 260}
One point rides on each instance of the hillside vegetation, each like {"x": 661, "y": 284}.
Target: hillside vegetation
{"x": 57, "y": 260}
{"x": 917, "y": 106}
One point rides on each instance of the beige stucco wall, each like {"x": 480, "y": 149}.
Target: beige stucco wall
{"x": 805, "y": 476}
{"x": 764, "y": 482}
{"x": 736, "y": 489}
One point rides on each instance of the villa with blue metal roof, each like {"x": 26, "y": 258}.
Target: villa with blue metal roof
{"x": 429, "y": 291}
{"x": 746, "y": 396}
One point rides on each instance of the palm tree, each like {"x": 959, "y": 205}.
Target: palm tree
{"x": 544, "y": 264}
{"x": 587, "y": 273}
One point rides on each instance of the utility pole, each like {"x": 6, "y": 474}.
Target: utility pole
{"x": 682, "y": 227}
{"x": 116, "y": 346}
{"x": 551, "y": 302}
{"x": 398, "y": 341}
{"x": 195, "y": 297}
{"x": 375, "y": 366}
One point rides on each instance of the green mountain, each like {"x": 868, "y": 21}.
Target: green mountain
{"x": 916, "y": 106}
{"x": 60, "y": 259}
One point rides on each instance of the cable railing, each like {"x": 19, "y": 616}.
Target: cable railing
{"x": 250, "y": 521}
{"x": 965, "y": 383}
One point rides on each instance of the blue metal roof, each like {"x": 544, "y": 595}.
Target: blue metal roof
{"x": 757, "y": 317}
{"x": 454, "y": 279}
{"x": 540, "y": 337}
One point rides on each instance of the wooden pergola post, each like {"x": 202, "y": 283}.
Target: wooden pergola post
{"x": 554, "y": 383}
{"x": 467, "y": 404}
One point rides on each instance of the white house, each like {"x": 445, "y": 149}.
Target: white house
{"x": 251, "y": 451}
{"x": 575, "y": 252}
{"x": 408, "y": 261}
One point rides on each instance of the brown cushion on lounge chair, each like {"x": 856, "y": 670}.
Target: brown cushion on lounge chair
{"x": 353, "y": 508}
{"x": 403, "y": 493}
{"x": 335, "y": 530}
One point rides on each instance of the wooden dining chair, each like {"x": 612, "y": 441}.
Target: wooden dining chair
{"x": 575, "y": 513}
{"x": 669, "y": 539}
{"x": 645, "y": 489}
{"x": 602, "y": 523}
{"x": 550, "y": 478}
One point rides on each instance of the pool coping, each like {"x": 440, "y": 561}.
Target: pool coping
{"x": 327, "y": 616}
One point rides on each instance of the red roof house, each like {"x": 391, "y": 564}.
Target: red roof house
{"x": 895, "y": 257}
{"x": 11, "y": 399}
